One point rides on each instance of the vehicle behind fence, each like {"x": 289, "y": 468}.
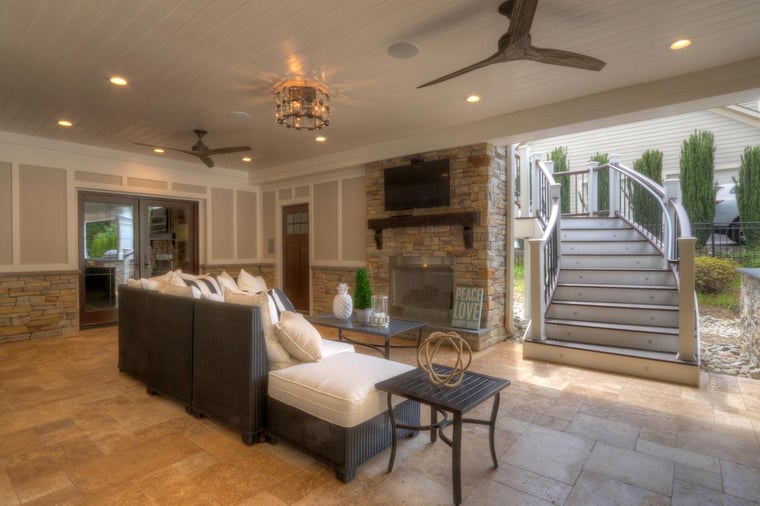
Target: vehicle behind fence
{"x": 728, "y": 241}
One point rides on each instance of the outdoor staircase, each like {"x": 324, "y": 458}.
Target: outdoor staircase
{"x": 615, "y": 305}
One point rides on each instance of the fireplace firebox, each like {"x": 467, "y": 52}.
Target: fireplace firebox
{"x": 422, "y": 288}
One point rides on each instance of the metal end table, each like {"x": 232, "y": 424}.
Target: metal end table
{"x": 474, "y": 390}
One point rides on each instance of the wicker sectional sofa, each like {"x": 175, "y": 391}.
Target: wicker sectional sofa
{"x": 211, "y": 356}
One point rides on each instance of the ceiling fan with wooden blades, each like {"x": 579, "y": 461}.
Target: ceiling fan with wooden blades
{"x": 200, "y": 150}
{"x": 516, "y": 44}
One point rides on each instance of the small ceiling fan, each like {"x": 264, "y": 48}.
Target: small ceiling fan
{"x": 200, "y": 150}
{"x": 516, "y": 44}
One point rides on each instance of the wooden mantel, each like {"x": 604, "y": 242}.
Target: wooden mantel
{"x": 465, "y": 218}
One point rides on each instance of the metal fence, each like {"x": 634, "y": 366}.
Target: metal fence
{"x": 733, "y": 240}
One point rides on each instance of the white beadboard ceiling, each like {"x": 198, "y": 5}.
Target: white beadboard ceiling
{"x": 192, "y": 62}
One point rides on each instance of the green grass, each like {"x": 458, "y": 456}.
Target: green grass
{"x": 519, "y": 273}
{"x": 729, "y": 299}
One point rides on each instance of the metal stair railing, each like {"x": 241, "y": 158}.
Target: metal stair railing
{"x": 655, "y": 211}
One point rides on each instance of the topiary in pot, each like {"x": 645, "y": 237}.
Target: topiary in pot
{"x": 362, "y": 297}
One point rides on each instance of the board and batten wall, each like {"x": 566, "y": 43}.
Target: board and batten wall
{"x": 39, "y": 184}
{"x": 337, "y": 233}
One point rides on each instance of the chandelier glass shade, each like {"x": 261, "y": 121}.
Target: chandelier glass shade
{"x": 302, "y": 105}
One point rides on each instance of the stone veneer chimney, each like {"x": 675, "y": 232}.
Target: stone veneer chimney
{"x": 478, "y": 183}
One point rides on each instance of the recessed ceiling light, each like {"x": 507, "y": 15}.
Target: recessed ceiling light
{"x": 473, "y": 99}
{"x": 320, "y": 138}
{"x": 680, "y": 44}
{"x": 403, "y": 50}
{"x": 118, "y": 81}
{"x": 65, "y": 123}
{"x": 158, "y": 150}
{"x": 247, "y": 159}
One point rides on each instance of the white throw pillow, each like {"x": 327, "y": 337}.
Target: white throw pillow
{"x": 227, "y": 283}
{"x": 299, "y": 337}
{"x": 250, "y": 283}
{"x": 134, "y": 283}
{"x": 157, "y": 282}
{"x": 275, "y": 352}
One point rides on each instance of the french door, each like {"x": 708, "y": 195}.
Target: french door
{"x": 123, "y": 237}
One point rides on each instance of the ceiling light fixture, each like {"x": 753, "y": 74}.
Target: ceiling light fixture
{"x": 302, "y": 105}
{"x": 247, "y": 159}
{"x": 320, "y": 138}
{"x": 473, "y": 99}
{"x": 158, "y": 150}
{"x": 118, "y": 81}
{"x": 680, "y": 44}
{"x": 65, "y": 123}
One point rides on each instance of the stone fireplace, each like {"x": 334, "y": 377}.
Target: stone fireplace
{"x": 456, "y": 254}
{"x": 422, "y": 288}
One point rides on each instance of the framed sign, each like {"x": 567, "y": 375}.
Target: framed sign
{"x": 468, "y": 304}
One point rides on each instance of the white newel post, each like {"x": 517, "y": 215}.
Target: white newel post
{"x": 686, "y": 300}
{"x": 672, "y": 192}
{"x": 614, "y": 185}
{"x": 592, "y": 203}
{"x": 537, "y": 293}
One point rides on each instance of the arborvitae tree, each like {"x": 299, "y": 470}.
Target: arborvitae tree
{"x": 603, "y": 182}
{"x": 559, "y": 157}
{"x": 697, "y": 190}
{"x": 362, "y": 291}
{"x": 748, "y": 192}
{"x": 645, "y": 211}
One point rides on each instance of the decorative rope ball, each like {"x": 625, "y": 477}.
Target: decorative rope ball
{"x": 430, "y": 346}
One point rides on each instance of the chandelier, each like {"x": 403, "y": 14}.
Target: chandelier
{"x": 302, "y": 105}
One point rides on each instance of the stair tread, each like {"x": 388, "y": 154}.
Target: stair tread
{"x": 615, "y": 326}
{"x": 617, "y": 269}
{"x": 607, "y": 285}
{"x": 613, "y": 253}
{"x": 619, "y": 305}
{"x": 615, "y": 350}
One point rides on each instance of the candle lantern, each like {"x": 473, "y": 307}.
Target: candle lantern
{"x": 380, "y": 316}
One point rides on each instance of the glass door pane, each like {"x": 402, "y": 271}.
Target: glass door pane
{"x": 107, "y": 253}
{"x": 169, "y": 236}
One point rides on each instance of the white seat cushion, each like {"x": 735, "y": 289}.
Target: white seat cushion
{"x": 330, "y": 347}
{"x": 339, "y": 389}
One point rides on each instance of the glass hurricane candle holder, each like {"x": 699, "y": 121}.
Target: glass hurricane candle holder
{"x": 380, "y": 316}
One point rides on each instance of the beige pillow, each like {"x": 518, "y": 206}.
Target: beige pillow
{"x": 182, "y": 291}
{"x": 134, "y": 283}
{"x": 275, "y": 352}
{"x": 299, "y": 337}
{"x": 227, "y": 283}
{"x": 251, "y": 283}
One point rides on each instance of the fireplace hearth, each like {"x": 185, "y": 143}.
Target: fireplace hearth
{"x": 422, "y": 288}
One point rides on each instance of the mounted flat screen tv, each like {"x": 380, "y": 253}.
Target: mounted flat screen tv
{"x": 422, "y": 184}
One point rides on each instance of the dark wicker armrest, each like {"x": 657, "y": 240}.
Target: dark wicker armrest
{"x": 230, "y": 366}
{"x": 133, "y": 313}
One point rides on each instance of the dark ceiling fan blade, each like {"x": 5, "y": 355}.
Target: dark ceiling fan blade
{"x": 521, "y": 17}
{"x": 205, "y": 159}
{"x": 495, "y": 58}
{"x": 564, "y": 58}
{"x": 231, "y": 149}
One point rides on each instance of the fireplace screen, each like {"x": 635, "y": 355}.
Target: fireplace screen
{"x": 422, "y": 288}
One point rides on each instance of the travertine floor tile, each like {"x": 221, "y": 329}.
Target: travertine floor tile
{"x": 594, "y": 489}
{"x": 741, "y": 481}
{"x": 628, "y": 466}
{"x": 553, "y": 454}
{"x": 75, "y": 431}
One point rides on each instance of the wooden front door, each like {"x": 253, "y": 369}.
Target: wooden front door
{"x": 295, "y": 255}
